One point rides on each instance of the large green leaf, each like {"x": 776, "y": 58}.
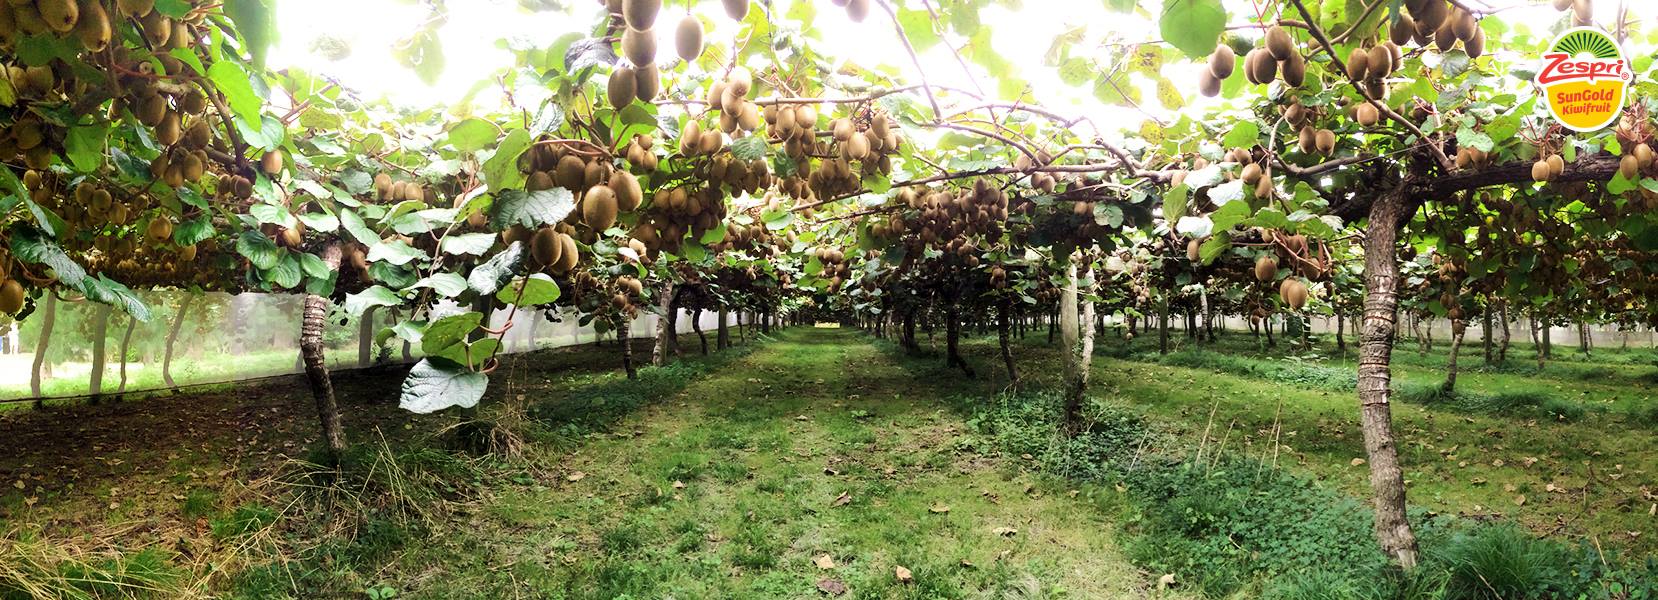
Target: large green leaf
{"x": 530, "y": 209}
{"x": 487, "y": 278}
{"x": 433, "y": 386}
{"x": 1193, "y": 26}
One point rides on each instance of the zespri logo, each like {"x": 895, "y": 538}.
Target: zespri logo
{"x": 1583, "y": 76}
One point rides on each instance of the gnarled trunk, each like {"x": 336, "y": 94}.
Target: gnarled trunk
{"x": 126, "y": 342}
{"x": 664, "y": 324}
{"x": 908, "y": 341}
{"x": 696, "y": 325}
{"x": 1381, "y": 303}
{"x": 624, "y": 328}
{"x": 952, "y": 335}
{"x": 172, "y": 336}
{"x": 1458, "y": 326}
{"x": 365, "y": 337}
{"x": 312, "y": 318}
{"x": 1002, "y": 335}
{"x": 1078, "y": 344}
{"x": 100, "y": 335}
{"x": 722, "y": 337}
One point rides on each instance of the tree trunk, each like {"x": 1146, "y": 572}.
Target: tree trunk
{"x": 722, "y": 336}
{"x": 1078, "y": 347}
{"x": 1502, "y": 351}
{"x": 1163, "y": 325}
{"x": 172, "y": 336}
{"x": 1381, "y": 301}
{"x": 952, "y": 336}
{"x": 696, "y": 324}
{"x": 312, "y": 319}
{"x": 365, "y": 337}
{"x": 100, "y": 336}
{"x": 51, "y": 310}
{"x": 126, "y": 342}
{"x": 1053, "y": 319}
{"x": 624, "y": 328}
{"x": 1583, "y": 342}
{"x": 1458, "y": 326}
{"x": 908, "y": 333}
{"x": 1341, "y": 330}
{"x": 665, "y": 300}
{"x": 1485, "y": 332}
{"x": 1002, "y": 333}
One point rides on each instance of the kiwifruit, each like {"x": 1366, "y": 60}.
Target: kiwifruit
{"x": 150, "y": 109}
{"x": 645, "y": 82}
{"x": 1263, "y": 188}
{"x": 40, "y": 79}
{"x": 271, "y": 162}
{"x": 93, "y": 27}
{"x": 857, "y": 147}
{"x": 1261, "y": 66}
{"x": 1222, "y": 61}
{"x": 290, "y": 237}
{"x": 857, "y": 10}
{"x": 11, "y": 297}
{"x": 1475, "y": 46}
{"x": 739, "y": 82}
{"x": 382, "y": 185}
{"x": 1278, "y": 42}
{"x": 1643, "y": 154}
{"x": 736, "y": 9}
{"x": 1208, "y": 85}
{"x": 688, "y": 38}
{"x": 1266, "y": 268}
{"x": 198, "y": 134}
{"x": 1402, "y": 30}
{"x": 628, "y": 192}
{"x": 1381, "y": 62}
{"x": 640, "y": 14}
{"x": 1293, "y": 292}
{"x": 1366, "y": 114}
{"x": 621, "y": 87}
{"x": 242, "y": 187}
{"x": 1583, "y": 12}
{"x": 1251, "y": 173}
{"x": 1308, "y": 139}
{"x": 1445, "y": 38}
{"x": 1629, "y": 167}
{"x": 1557, "y": 165}
{"x": 187, "y": 253}
{"x": 1433, "y": 14}
{"x": 134, "y": 8}
{"x": 568, "y": 254}
{"x": 1294, "y": 70}
{"x": 169, "y": 132}
{"x": 690, "y": 138}
{"x": 1358, "y": 65}
{"x": 571, "y": 172}
{"x": 749, "y": 118}
{"x": 639, "y": 46}
{"x": 598, "y": 207}
{"x": 594, "y": 173}
{"x": 191, "y": 167}
{"x": 159, "y": 230}
{"x": 1463, "y": 24}
{"x": 1325, "y": 141}
{"x": 1540, "y": 170}
{"x": 710, "y": 142}
{"x": 544, "y": 246}
{"x": 158, "y": 29}
{"x": 60, "y": 15}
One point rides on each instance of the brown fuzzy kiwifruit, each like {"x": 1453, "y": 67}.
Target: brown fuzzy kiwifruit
{"x": 628, "y": 192}
{"x": 1358, "y": 65}
{"x": 1294, "y": 70}
{"x": 1643, "y": 154}
{"x": 739, "y": 82}
{"x": 1629, "y": 167}
{"x": 60, "y": 15}
{"x": 382, "y": 185}
{"x": 1433, "y": 14}
{"x": 639, "y": 46}
{"x": 159, "y": 230}
{"x": 690, "y": 138}
{"x": 1222, "y": 61}
{"x": 1445, "y": 38}
{"x": 1325, "y": 141}
{"x": 1251, "y": 173}
{"x": 544, "y": 246}
{"x": 93, "y": 28}
{"x": 710, "y": 142}
{"x": 1557, "y": 165}
{"x": 598, "y": 208}
{"x": 1366, "y": 114}
{"x": 1402, "y": 30}
{"x": 1380, "y": 62}
{"x": 1208, "y": 84}
{"x": 1293, "y": 292}
{"x": 568, "y": 254}
{"x": 646, "y": 82}
{"x": 539, "y": 180}
{"x": 1278, "y": 42}
{"x": 1540, "y": 170}
{"x": 1583, "y": 13}
{"x": 11, "y": 297}
{"x": 1260, "y": 66}
{"x": 1475, "y": 46}
{"x": 571, "y": 172}
{"x": 1193, "y": 248}
{"x": 1266, "y": 268}
{"x": 736, "y": 9}
{"x": 1308, "y": 139}
{"x": 134, "y": 8}
{"x": 640, "y": 14}
{"x": 1463, "y": 24}
{"x": 169, "y": 131}
{"x": 857, "y": 10}
{"x": 621, "y": 88}
{"x": 688, "y": 38}
{"x": 271, "y": 162}
{"x": 857, "y": 147}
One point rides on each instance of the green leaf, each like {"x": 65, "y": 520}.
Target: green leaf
{"x": 472, "y": 134}
{"x": 1243, "y": 135}
{"x": 501, "y": 170}
{"x": 355, "y": 226}
{"x": 85, "y": 146}
{"x": 258, "y": 249}
{"x": 375, "y": 295}
{"x": 1193, "y": 26}
{"x": 193, "y": 231}
{"x": 539, "y": 289}
{"x": 448, "y": 285}
{"x": 232, "y": 81}
{"x": 256, "y": 22}
{"x": 468, "y": 243}
{"x": 748, "y": 147}
{"x": 320, "y": 222}
{"x": 394, "y": 251}
{"x": 1174, "y": 203}
{"x": 918, "y": 26}
{"x": 30, "y": 245}
{"x": 314, "y": 267}
{"x": 531, "y": 209}
{"x": 432, "y": 387}
{"x": 287, "y": 273}
{"x": 487, "y": 278}
{"x": 449, "y": 331}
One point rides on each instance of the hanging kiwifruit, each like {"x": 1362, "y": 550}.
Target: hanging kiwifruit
{"x": 1358, "y": 65}
{"x": 1463, "y": 24}
{"x": 271, "y": 162}
{"x": 571, "y": 172}
{"x": 1260, "y": 66}
{"x": 1251, "y": 173}
{"x": 169, "y": 131}
{"x": 382, "y": 185}
{"x": 568, "y": 254}
{"x": 736, "y": 9}
{"x": 1540, "y": 170}
{"x": 11, "y": 297}
{"x": 1643, "y": 155}
{"x": 1557, "y": 165}
{"x": 1208, "y": 85}
{"x": 1433, "y": 14}
{"x": 1380, "y": 63}
{"x": 1266, "y": 268}
{"x": 621, "y": 88}
{"x": 628, "y": 192}
{"x": 1629, "y": 167}
{"x": 1402, "y": 30}
{"x": 1325, "y": 141}
{"x": 1293, "y": 292}
{"x": 857, "y": 147}
{"x": 93, "y": 28}
{"x": 1222, "y": 61}
{"x": 1366, "y": 114}
{"x": 639, "y": 46}
{"x": 1294, "y": 70}
{"x": 1308, "y": 139}
{"x": 1475, "y": 46}
{"x": 134, "y": 8}
{"x": 1562, "y": 5}
{"x": 1278, "y": 42}
{"x": 159, "y": 230}
{"x": 1445, "y": 38}
{"x": 646, "y": 82}
{"x": 598, "y": 208}
{"x": 857, "y": 9}
{"x": 640, "y": 14}
{"x": 688, "y": 37}
{"x": 544, "y": 246}
{"x": 60, "y": 15}
{"x": 690, "y": 138}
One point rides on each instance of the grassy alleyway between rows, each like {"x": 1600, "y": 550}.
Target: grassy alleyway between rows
{"x": 816, "y": 464}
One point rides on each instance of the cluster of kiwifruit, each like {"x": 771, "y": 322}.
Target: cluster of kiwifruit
{"x": 387, "y": 189}
{"x": 793, "y": 125}
{"x": 1252, "y": 173}
{"x": 939, "y": 217}
{"x": 1370, "y": 67}
{"x": 1311, "y": 139}
{"x": 835, "y": 267}
{"x": 1450, "y": 272}
{"x": 675, "y": 211}
{"x": 730, "y": 98}
{"x": 11, "y": 290}
{"x": 552, "y": 248}
{"x": 1635, "y": 161}
{"x": 1441, "y": 24}
{"x": 1583, "y": 11}
{"x": 638, "y": 152}
{"x": 603, "y": 191}
{"x": 642, "y": 79}
{"x": 998, "y": 277}
{"x": 1276, "y": 57}
{"x": 84, "y": 20}
{"x": 29, "y": 137}
{"x": 1046, "y": 182}
{"x": 746, "y": 175}
{"x": 857, "y": 10}
{"x": 1471, "y": 157}
{"x": 1547, "y": 168}
{"x": 629, "y": 292}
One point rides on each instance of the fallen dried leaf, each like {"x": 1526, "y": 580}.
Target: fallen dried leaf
{"x": 1520, "y": 500}
{"x": 1357, "y": 461}
{"x": 938, "y": 509}
{"x": 576, "y": 476}
{"x": 904, "y": 575}
{"x": 824, "y": 561}
{"x": 1165, "y": 581}
{"x": 1005, "y": 531}
{"x": 842, "y": 500}
{"x": 833, "y": 587}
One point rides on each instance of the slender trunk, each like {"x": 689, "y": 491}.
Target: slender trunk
{"x": 1381, "y": 300}
{"x": 952, "y": 337}
{"x": 624, "y": 327}
{"x": 696, "y": 324}
{"x": 1485, "y": 333}
{"x": 172, "y": 336}
{"x": 51, "y": 310}
{"x": 1457, "y": 328}
{"x": 100, "y": 335}
{"x": 312, "y": 319}
{"x": 1002, "y": 333}
{"x": 1053, "y": 322}
{"x": 909, "y": 342}
{"x": 1078, "y": 345}
{"x": 1163, "y": 325}
{"x": 1266, "y": 325}
{"x": 722, "y": 336}
{"x": 1583, "y": 343}
{"x": 1341, "y": 330}
{"x": 365, "y": 337}
{"x": 126, "y": 342}
{"x": 665, "y": 299}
